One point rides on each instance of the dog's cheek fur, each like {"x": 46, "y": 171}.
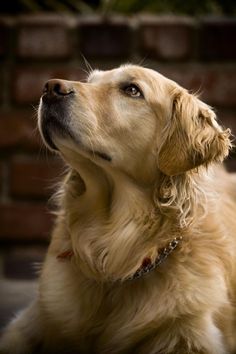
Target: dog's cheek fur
{"x": 192, "y": 137}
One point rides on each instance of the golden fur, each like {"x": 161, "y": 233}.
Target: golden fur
{"x": 163, "y": 180}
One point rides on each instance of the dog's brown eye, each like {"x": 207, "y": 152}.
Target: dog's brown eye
{"x": 133, "y": 91}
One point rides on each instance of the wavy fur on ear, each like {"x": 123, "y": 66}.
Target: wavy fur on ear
{"x": 177, "y": 197}
{"x": 192, "y": 137}
{"x": 192, "y": 140}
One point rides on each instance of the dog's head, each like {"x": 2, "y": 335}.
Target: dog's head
{"x": 131, "y": 119}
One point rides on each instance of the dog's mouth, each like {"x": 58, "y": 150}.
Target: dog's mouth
{"x": 102, "y": 155}
{"x": 50, "y": 128}
{"x": 54, "y": 125}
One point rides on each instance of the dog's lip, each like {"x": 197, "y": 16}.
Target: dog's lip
{"x": 51, "y": 126}
{"x": 58, "y": 99}
{"x": 102, "y": 155}
{"x": 48, "y": 130}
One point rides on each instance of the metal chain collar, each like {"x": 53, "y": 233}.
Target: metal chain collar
{"x": 164, "y": 253}
{"x": 144, "y": 269}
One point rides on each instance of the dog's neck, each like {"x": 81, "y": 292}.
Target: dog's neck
{"x": 113, "y": 224}
{"x": 104, "y": 189}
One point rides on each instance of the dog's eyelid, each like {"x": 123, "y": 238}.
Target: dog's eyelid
{"x": 125, "y": 85}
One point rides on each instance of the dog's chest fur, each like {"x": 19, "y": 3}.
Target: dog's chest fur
{"x": 98, "y": 315}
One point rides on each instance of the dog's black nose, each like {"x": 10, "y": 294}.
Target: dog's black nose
{"x": 56, "y": 88}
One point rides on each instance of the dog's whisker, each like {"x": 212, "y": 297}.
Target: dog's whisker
{"x": 87, "y": 64}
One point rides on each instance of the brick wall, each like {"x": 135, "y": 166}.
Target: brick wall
{"x": 199, "y": 54}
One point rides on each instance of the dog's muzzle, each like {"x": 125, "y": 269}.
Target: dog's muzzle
{"x": 56, "y": 101}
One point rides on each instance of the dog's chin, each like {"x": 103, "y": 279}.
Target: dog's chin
{"x": 58, "y": 137}
{"x": 47, "y": 135}
{"x": 52, "y": 129}
{"x": 74, "y": 150}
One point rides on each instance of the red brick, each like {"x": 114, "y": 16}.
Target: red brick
{"x": 28, "y": 82}
{"x": 220, "y": 86}
{"x": 217, "y": 39}
{"x": 5, "y": 33}
{"x": 23, "y": 262}
{"x": 1, "y": 176}
{"x": 167, "y": 38}
{"x": 18, "y": 129}
{"x": 216, "y": 83}
{"x": 230, "y": 163}
{"x": 111, "y": 38}
{"x": 43, "y": 37}
{"x": 24, "y": 222}
{"x": 227, "y": 118}
{"x": 33, "y": 178}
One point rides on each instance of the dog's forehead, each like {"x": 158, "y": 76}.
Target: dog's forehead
{"x": 133, "y": 74}
{"x": 123, "y": 73}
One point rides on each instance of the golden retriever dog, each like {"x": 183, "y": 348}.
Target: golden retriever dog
{"x": 143, "y": 253}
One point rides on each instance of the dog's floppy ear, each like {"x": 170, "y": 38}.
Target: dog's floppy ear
{"x": 192, "y": 137}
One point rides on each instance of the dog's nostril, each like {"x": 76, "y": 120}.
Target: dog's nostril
{"x": 56, "y": 87}
{"x": 45, "y": 89}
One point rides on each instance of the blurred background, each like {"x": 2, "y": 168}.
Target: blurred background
{"x": 192, "y": 42}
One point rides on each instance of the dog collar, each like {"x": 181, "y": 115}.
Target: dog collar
{"x": 65, "y": 255}
{"x": 147, "y": 265}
